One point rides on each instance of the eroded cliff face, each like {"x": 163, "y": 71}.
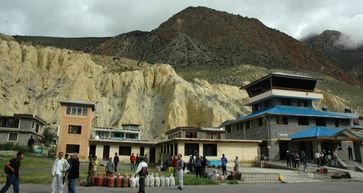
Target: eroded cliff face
{"x": 35, "y": 79}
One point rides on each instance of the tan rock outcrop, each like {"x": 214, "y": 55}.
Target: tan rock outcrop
{"x": 35, "y": 79}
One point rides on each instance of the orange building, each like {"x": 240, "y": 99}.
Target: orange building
{"x": 75, "y": 127}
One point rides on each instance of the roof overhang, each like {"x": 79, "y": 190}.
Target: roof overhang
{"x": 284, "y": 94}
{"x": 195, "y": 140}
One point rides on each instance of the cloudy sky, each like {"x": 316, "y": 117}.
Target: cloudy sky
{"x": 77, "y": 18}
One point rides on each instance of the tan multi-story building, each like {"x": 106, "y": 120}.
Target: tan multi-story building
{"x": 75, "y": 127}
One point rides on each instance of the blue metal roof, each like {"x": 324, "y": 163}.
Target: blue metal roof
{"x": 298, "y": 111}
{"x": 316, "y": 132}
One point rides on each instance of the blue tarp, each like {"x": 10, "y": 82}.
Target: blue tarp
{"x": 316, "y": 132}
{"x": 299, "y": 111}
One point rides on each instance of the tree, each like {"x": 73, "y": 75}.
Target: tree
{"x": 49, "y": 136}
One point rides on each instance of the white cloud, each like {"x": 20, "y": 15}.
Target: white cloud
{"x": 111, "y": 17}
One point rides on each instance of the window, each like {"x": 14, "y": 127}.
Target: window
{"x": 210, "y": 149}
{"x": 142, "y": 151}
{"x": 81, "y": 111}
{"x": 228, "y": 128}
{"x": 255, "y": 108}
{"x": 191, "y": 134}
{"x": 336, "y": 122}
{"x": 132, "y": 136}
{"x": 282, "y": 120}
{"x": 303, "y": 120}
{"x": 302, "y": 103}
{"x": 191, "y": 149}
{"x": 286, "y": 102}
{"x": 248, "y": 124}
{"x": 268, "y": 104}
{"x": 74, "y": 129}
{"x": 320, "y": 122}
{"x": 13, "y": 137}
{"x": 261, "y": 122}
{"x": 124, "y": 150}
{"x": 71, "y": 148}
{"x": 9, "y": 122}
{"x": 117, "y": 135}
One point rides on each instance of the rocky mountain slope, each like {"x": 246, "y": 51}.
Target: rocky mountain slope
{"x": 199, "y": 36}
{"x": 34, "y": 79}
{"x": 332, "y": 44}
{"x": 206, "y": 37}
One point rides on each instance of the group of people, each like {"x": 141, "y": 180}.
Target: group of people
{"x": 62, "y": 169}
{"x": 142, "y": 172}
{"x": 328, "y": 158}
{"x": 135, "y": 160}
{"x": 111, "y": 165}
{"x": 196, "y": 163}
{"x": 65, "y": 168}
{"x": 224, "y": 162}
{"x": 294, "y": 159}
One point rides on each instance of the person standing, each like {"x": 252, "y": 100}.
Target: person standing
{"x": 12, "y": 173}
{"x": 288, "y": 158}
{"x": 224, "y": 162}
{"x": 142, "y": 171}
{"x": 204, "y": 165}
{"x": 198, "y": 167}
{"x": 236, "y": 164}
{"x": 179, "y": 171}
{"x": 350, "y": 153}
{"x": 317, "y": 158}
{"x": 31, "y": 142}
{"x": 303, "y": 160}
{"x": 60, "y": 166}
{"x": 66, "y": 157}
{"x": 109, "y": 167}
{"x": 132, "y": 161}
{"x": 137, "y": 160}
{"x": 116, "y": 159}
{"x": 73, "y": 173}
{"x": 91, "y": 170}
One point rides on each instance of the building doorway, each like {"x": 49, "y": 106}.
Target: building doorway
{"x": 152, "y": 155}
{"x": 92, "y": 150}
{"x": 283, "y": 147}
{"x": 357, "y": 151}
{"x": 106, "y": 152}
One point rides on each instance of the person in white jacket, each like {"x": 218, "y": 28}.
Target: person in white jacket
{"x": 60, "y": 166}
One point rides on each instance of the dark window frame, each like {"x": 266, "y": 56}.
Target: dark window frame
{"x": 72, "y": 148}
{"x": 210, "y": 149}
{"x": 75, "y": 129}
{"x": 124, "y": 150}
{"x": 191, "y": 148}
{"x": 303, "y": 120}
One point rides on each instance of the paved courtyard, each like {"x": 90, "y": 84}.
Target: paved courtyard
{"x": 319, "y": 187}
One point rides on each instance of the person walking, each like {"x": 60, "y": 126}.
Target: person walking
{"x": 224, "y": 162}
{"x": 60, "y": 166}
{"x": 350, "y": 153}
{"x": 116, "y": 159}
{"x": 12, "y": 173}
{"x": 180, "y": 172}
{"x": 142, "y": 171}
{"x": 73, "y": 173}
